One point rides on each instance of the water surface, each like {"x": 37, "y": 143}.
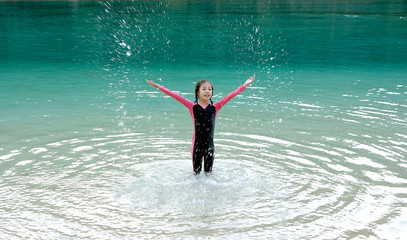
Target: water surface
{"x": 314, "y": 149}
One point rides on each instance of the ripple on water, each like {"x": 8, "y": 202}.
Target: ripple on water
{"x": 261, "y": 186}
{"x": 169, "y": 184}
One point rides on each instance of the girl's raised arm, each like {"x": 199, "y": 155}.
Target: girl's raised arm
{"x": 170, "y": 93}
{"x": 153, "y": 84}
{"x": 250, "y": 80}
{"x": 221, "y": 103}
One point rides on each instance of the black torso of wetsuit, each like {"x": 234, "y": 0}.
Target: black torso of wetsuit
{"x": 203, "y": 142}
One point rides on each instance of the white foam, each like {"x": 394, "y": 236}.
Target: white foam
{"x": 38, "y": 150}
{"x": 82, "y": 148}
{"x": 12, "y": 154}
{"x": 22, "y": 163}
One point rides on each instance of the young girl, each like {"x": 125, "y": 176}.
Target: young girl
{"x": 203, "y": 115}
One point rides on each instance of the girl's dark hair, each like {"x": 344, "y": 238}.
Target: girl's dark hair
{"x": 198, "y": 85}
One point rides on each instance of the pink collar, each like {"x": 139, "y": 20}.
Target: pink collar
{"x": 204, "y": 107}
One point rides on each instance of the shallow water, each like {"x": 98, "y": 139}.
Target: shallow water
{"x": 314, "y": 149}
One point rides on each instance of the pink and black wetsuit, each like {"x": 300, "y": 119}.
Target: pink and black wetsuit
{"x": 204, "y": 127}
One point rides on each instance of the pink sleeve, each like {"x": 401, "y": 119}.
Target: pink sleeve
{"x": 221, "y": 103}
{"x": 180, "y": 99}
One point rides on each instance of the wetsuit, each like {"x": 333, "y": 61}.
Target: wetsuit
{"x": 204, "y": 126}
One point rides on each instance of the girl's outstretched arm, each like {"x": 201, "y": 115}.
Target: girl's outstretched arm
{"x": 221, "y": 103}
{"x": 153, "y": 84}
{"x": 170, "y": 93}
{"x": 250, "y": 80}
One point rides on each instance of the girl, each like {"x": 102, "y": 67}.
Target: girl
{"x": 203, "y": 115}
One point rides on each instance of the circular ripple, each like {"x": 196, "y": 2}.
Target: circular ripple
{"x": 261, "y": 186}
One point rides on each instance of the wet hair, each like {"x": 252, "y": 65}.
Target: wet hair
{"x": 198, "y": 85}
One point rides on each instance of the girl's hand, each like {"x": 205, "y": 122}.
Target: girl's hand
{"x": 250, "y": 80}
{"x": 153, "y": 84}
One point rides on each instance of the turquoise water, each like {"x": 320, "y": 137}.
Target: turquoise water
{"x": 315, "y": 148}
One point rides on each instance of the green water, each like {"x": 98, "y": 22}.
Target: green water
{"x": 315, "y": 148}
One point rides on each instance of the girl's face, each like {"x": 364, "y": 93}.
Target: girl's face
{"x": 205, "y": 92}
